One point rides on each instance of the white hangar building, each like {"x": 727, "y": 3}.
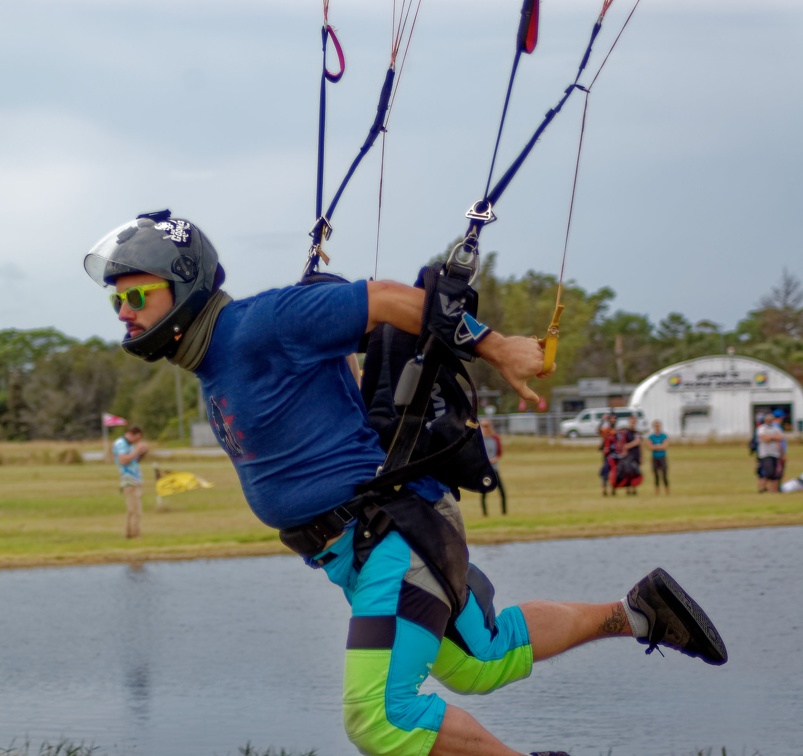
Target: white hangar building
{"x": 718, "y": 396}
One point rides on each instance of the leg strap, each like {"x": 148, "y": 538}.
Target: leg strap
{"x": 428, "y": 532}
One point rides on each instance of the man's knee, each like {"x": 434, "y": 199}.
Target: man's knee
{"x": 378, "y": 722}
{"x": 474, "y": 659}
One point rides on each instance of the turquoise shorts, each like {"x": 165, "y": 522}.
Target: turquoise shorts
{"x": 400, "y": 632}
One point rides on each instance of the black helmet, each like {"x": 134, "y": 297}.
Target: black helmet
{"x": 173, "y": 249}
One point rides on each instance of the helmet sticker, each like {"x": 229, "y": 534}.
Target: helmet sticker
{"x": 178, "y": 231}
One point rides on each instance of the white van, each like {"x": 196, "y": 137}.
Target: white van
{"x": 587, "y": 422}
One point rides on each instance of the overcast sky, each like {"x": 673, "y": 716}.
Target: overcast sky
{"x": 690, "y": 196}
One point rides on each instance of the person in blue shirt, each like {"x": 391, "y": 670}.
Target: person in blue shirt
{"x": 128, "y": 450}
{"x": 658, "y": 444}
{"x": 284, "y": 404}
{"x": 771, "y": 451}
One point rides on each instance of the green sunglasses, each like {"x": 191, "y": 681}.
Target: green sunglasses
{"x": 135, "y": 296}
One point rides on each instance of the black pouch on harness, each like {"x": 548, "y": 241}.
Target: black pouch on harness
{"x": 449, "y": 420}
{"x": 428, "y": 532}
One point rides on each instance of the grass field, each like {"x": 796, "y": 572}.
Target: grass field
{"x": 53, "y": 512}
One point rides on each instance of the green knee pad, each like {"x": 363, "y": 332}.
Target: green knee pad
{"x": 366, "y": 714}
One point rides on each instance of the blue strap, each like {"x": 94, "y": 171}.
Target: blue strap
{"x": 493, "y": 196}
{"x": 376, "y": 128}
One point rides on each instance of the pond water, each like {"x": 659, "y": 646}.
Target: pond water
{"x": 200, "y": 658}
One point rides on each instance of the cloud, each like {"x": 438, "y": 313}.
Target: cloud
{"x": 118, "y": 107}
{"x": 11, "y": 272}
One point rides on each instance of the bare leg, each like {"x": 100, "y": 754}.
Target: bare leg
{"x": 554, "y": 627}
{"x": 462, "y": 735}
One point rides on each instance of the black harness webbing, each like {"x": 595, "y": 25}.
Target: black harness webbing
{"x": 397, "y": 468}
{"x": 310, "y": 538}
{"x": 414, "y": 390}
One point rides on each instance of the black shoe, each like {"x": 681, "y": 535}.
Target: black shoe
{"x": 675, "y": 619}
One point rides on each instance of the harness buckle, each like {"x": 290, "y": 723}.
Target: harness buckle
{"x": 343, "y": 514}
{"x": 323, "y": 227}
{"x": 464, "y": 259}
{"x": 481, "y": 210}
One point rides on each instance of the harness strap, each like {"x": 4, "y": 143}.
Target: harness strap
{"x": 311, "y": 538}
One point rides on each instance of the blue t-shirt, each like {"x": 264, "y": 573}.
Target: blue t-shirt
{"x": 657, "y": 439}
{"x": 130, "y": 474}
{"x": 284, "y": 403}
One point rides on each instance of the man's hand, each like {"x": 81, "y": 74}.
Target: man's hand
{"x": 517, "y": 359}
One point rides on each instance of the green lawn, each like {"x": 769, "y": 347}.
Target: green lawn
{"x": 53, "y": 513}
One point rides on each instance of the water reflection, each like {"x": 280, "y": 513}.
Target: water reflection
{"x": 199, "y": 658}
{"x": 138, "y": 615}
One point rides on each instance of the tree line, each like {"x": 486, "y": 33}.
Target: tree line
{"x": 56, "y": 387}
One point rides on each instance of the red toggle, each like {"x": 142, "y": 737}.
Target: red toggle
{"x": 528, "y": 30}
{"x": 335, "y": 77}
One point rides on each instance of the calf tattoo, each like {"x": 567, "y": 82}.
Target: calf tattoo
{"x": 615, "y": 623}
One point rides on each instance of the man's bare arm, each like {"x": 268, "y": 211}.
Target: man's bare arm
{"x": 398, "y": 304}
{"x": 518, "y": 359}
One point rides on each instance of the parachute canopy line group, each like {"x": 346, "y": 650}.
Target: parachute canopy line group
{"x": 481, "y": 213}
{"x": 405, "y": 15}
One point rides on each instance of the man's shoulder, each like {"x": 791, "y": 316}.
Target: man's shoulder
{"x": 282, "y": 296}
{"x": 121, "y": 446}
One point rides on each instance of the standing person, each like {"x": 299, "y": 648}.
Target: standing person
{"x": 128, "y": 450}
{"x": 777, "y": 420}
{"x": 626, "y": 459}
{"x": 658, "y": 443}
{"x": 753, "y": 447}
{"x": 607, "y": 434}
{"x": 418, "y": 607}
{"x": 493, "y": 447}
{"x": 770, "y": 453}
{"x": 633, "y": 440}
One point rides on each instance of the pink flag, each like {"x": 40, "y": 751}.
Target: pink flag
{"x": 109, "y": 421}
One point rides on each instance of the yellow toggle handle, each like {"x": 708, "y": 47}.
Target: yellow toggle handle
{"x": 551, "y": 340}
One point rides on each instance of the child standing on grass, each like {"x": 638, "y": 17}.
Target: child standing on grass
{"x": 658, "y": 444}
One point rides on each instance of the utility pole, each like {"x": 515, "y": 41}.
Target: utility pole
{"x": 619, "y": 351}
{"x": 179, "y": 405}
